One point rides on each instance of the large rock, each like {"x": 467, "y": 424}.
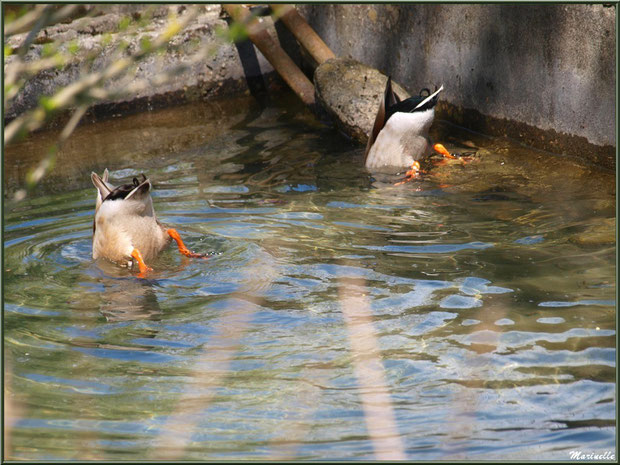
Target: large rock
{"x": 350, "y": 92}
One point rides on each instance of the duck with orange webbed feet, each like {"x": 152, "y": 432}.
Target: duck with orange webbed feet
{"x": 126, "y": 229}
{"x": 399, "y": 138}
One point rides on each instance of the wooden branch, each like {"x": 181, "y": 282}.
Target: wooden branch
{"x": 278, "y": 58}
{"x": 302, "y": 31}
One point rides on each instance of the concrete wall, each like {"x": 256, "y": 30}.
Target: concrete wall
{"x": 542, "y": 73}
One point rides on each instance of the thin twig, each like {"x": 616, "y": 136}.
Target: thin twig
{"x": 68, "y": 96}
{"x": 41, "y": 22}
{"x": 26, "y": 22}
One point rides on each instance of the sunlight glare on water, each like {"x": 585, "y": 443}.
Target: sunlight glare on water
{"x": 491, "y": 297}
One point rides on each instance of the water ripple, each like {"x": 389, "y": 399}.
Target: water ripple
{"x": 492, "y": 312}
{"x": 432, "y": 249}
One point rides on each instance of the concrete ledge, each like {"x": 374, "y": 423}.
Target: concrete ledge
{"x": 549, "y": 140}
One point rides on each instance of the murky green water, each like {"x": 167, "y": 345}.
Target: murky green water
{"x": 491, "y": 288}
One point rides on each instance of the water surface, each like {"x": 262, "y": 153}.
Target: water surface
{"x": 491, "y": 290}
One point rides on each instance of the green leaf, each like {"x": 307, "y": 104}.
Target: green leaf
{"x": 236, "y": 32}
{"x": 145, "y": 44}
{"x": 47, "y": 103}
{"x": 48, "y": 50}
{"x": 73, "y": 47}
{"x": 124, "y": 23}
{"x": 122, "y": 45}
{"x": 60, "y": 61}
{"x": 107, "y": 39}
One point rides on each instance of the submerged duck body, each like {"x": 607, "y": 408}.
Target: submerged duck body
{"x": 125, "y": 228}
{"x": 400, "y": 133}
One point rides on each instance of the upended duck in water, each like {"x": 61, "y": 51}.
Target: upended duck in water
{"x": 399, "y": 137}
{"x": 125, "y": 228}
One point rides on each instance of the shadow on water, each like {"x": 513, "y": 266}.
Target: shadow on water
{"x": 466, "y": 315}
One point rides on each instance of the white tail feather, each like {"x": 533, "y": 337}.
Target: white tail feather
{"x": 429, "y": 97}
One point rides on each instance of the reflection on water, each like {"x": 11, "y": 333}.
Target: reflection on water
{"x": 477, "y": 305}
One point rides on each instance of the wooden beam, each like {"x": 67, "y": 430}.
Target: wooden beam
{"x": 302, "y": 31}
{"x": 278, "y": 58}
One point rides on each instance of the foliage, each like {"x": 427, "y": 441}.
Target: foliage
{"x": 28, "y": 51}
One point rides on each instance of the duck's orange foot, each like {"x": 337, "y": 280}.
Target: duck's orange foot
{"x": 442, "y": 150}
{"x": 184, "y": 250}
{"x": 414, "y": 172}
{"x": 137, "y": 256}
{"x": 464, "y": 159}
